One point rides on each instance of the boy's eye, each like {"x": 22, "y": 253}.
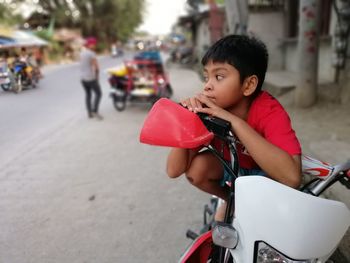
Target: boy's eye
{"x": 219, "y": 77}
{"x": 205, "y": 78}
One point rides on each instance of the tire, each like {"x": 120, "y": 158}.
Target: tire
{"x": 155, "y": 99}
{"x": 35, "y": 80}
{"x": 19, "y": 84}
{"x": 6, "y": 87}
{"x": 168, "y": 91}
{"x": 119, "y": 103}
{"x": 165, "y": 92}
{"x": 34, "y": 83}
{"x": 214, "y": 255}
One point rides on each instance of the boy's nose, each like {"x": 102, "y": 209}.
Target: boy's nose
{"x": 208, "y": 86}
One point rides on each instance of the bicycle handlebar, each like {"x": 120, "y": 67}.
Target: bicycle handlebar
{"x": 219, "y": 127}
{"x": 222, "y": 129}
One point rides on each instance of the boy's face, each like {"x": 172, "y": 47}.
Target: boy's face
{"x": 222, "y": 84}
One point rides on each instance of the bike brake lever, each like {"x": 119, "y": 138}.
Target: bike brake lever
{"x": 345, "y": 180}
{"x": 216, "y": 125}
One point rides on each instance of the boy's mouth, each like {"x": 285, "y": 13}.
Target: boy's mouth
{"x": 209, "y": 97}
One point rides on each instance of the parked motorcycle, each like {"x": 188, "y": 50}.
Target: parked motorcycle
{"x": 265, "y": 221}
{"x": 183, "y": 55}
{"x": 22, "y": 78}
{"x": 116, "y": 52}
{"x": 6, "y": 78}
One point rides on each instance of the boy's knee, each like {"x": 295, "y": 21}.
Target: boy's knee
{"x": 172, "y": 174}
{"x": 196, "y": 177}
{"x": 202, "y": 167}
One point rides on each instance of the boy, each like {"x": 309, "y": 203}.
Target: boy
{"x": 234, "y": 71}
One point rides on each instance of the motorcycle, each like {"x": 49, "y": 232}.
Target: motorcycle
{"x": 183, "y": 55}
{"x": 22, "y": 79}
{"x": 265, "y": 221}
{"x": 6, "y": 79}
{"x": 116, "y": 52}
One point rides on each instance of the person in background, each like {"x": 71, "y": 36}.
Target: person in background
{"x": 39, "y": 55}
{"x": 24, "y": 58}
{"x": 33, "y": 64}
{"x": 89, "y": 69}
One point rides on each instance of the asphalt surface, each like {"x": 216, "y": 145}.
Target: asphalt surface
{"x": 78, "y": 190}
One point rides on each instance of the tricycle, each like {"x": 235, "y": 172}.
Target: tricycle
{"x": 142, "y": 79}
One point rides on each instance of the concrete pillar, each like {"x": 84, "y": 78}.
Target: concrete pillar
{"x": 237, "y": 16}
{"x": 216, "y": 22}
{"x": 308, "y": 45}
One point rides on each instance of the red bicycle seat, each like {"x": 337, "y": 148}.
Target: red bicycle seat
{"x": 170, "y": 124}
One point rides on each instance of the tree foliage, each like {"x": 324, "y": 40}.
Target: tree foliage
{"x": 108, "y": 20}
{"x": 7, "y": 16}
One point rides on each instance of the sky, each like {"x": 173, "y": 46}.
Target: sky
{"x": 160, "y": 15}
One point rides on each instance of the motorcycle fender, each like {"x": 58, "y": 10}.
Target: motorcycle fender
{"x": 296, "y": 224}
{"x": 199, "y": 250}
{"x": 4, "y": 80}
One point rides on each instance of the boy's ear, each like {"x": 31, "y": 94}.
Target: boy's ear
{"x": 249, "y": 85}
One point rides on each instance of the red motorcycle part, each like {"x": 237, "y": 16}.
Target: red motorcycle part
{"x": 199, "y": 250}
{"x": 170, "y": 124}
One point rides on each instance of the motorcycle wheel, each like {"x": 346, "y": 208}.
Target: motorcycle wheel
{"x": 6, "y": 87}
{"x": 119, "y": 103}
{"x": 168, "y": 91}
{"x": 19, "y": 85}
{"x": 35, "y": 80}
{"x": 165, "y": 92}
{"x": 34, "y": 83}
{"x": 214, "y": 256}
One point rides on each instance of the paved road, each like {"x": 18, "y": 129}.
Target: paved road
{"x": 78, "y": 190}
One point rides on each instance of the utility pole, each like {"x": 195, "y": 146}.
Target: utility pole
{"x": 341, "y": 48}
{"x": 237, "y": 16}
{"x": 216, "y": 22}
{"x": 308, "y": 46}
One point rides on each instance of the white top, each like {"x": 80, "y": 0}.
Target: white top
{"x": 86, "y": 70}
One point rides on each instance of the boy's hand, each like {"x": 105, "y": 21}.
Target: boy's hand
{"x": 211, "y": 108}
{"x": 192, "y": 104}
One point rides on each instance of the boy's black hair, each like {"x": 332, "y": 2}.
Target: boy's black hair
{"x": 247, "y": 54}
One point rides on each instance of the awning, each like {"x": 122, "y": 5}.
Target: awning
{"x": 6, "y": 41}
{"x": 23, "y": 38}
{"x": 19, "y": 38}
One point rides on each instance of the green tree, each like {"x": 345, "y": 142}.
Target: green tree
{"x": 7, "y": 16}
{"x": 108, "y": 20}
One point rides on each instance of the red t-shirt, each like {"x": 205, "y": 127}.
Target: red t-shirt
{"x": 268, "y": 117}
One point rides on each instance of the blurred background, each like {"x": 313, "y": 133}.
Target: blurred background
{"x": 75, "y": 190}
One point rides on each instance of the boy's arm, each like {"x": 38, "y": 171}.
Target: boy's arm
{"x": 179, "y": 160}
{"x": 95, "y": 67}
{"x": 277, "y": 163}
